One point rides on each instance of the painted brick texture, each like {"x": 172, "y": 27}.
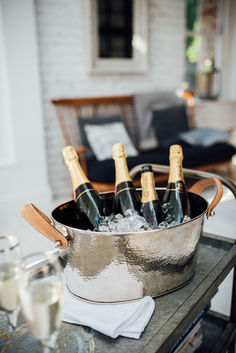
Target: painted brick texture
{"x": 63, "y": 60}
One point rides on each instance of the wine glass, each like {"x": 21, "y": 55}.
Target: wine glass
{"x": 10, "y": 257}
{"x": 41, "y": 296}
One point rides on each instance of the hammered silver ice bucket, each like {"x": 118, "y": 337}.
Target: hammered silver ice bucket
{"x": 115, "y": 267}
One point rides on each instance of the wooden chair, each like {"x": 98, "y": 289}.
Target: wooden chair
{"x": 69, "y": 110}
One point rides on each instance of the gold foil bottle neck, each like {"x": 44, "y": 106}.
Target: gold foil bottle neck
{"x": 148, "y": 187}
{"x": 176, "y": 158}
{"x": 69, "y": 153}
{"x": 76, "y": 172}
{"x": 176, "y": 152}
{"x": 118, "y": 151}
{"x": 121, "y": 168}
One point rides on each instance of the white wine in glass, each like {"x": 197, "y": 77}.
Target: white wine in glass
{"x": 10, "y": 257}
{"x": 41, "y": 296}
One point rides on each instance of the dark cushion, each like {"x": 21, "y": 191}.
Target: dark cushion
{"x": 168, "y": 123}
{"x": 93, "y": 121}
{"x": 194, "y": 156}
{"x": 105, "y": 171}
{"x": 204, "y": 136}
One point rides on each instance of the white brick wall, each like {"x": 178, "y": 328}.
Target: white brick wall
{"x": 64, "y": 66}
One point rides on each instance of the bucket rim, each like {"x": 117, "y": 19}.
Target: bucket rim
{"x": 108, "y": 234}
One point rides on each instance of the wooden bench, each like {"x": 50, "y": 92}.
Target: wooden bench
{"x": 69, "y": 110}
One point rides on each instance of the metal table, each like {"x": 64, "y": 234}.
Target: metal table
{"x": 173, "y": 314}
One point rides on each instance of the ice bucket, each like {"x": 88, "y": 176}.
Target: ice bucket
{"x": 115, "y": 267}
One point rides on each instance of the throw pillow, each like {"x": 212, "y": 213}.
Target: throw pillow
{"x": 204, "y": 137}
{"x": 102, "y": 138}
{"x": 168, "y": 122}
{"x": 93, "y": 121}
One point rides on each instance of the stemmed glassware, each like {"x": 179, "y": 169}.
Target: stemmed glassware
{"x": 41, "y": 297}
{"x": 10, "y": 257}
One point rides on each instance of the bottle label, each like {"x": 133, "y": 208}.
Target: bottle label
{"x": 176, "y": 172}
{"x": 178, "y": 186}
{"x": 126, "y": 185}
{"x": 148, "y": 196}
{"x": 86, "y": 187}
{"x": 148, "y": 187}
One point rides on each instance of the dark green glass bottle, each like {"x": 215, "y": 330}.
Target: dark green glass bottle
{"x": 150, "y": 204}
{"x": 89, "y": 204}
{"x": 126, "y": 196}
{"x": 176, "y": 193}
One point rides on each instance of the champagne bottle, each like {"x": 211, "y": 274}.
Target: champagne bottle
{"x": 150, "y": 204}
{"x": 176, "y": 193}
{"x": 126, "y": 196}
{"x": 89, "y": 203}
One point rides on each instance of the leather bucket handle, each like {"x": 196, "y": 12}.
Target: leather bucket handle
{"x": 42, "y": 223}
{"x": 203, "y": 184}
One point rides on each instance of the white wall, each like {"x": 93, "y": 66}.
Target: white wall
{"x": 64, "y": 65}
{"x": 24, "y": 177}
{"x": 7, "y": 148}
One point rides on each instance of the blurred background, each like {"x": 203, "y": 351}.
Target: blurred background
{"x": 55, "y": 48}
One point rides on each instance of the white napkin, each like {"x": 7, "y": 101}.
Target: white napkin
{"x": 125, "y": 319}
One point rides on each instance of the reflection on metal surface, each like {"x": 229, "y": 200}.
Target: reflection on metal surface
{"x": 141, "y": 264}
{"x": 109, "y": 267}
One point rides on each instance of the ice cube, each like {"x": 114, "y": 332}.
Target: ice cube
{"x": 167, "y": 208}
{"x": 137, "y": 223}
{"x": 123, "y": 225}
{"x": 169, "y": 218}
{"x": 163, "y": 225}
{"x": 186, "y": 219}
{"x": 102, "y": 228}
{"x": 129, "y": 213}
{"x": 173, "y": 223}
{"x": 118, "y": 216}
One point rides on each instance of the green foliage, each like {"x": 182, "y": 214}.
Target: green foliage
{"x": 193, "y": 48}
{"x": 191, "y": 13}
{"x": 192, "y": 24}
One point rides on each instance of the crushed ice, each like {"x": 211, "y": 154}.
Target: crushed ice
{"x": 133, "y": 222}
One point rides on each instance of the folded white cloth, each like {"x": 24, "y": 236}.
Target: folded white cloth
{"x": 125, "y": 319}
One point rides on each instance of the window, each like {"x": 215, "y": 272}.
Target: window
{"x": 115, "y": 18}
{"x": 118, "y": 36}
{"x": 202, "y": 47}
{"x": 192, "y": 42}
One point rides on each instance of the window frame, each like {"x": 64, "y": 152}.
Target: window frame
{"x": 136, "y": 64}
{"x": 218, "y": 43}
